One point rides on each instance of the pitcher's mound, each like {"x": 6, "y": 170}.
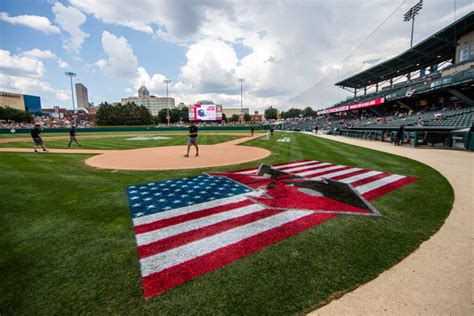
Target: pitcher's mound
{"x": 172, "y": 157}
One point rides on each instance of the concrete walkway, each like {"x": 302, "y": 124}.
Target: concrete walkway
{"x": 437, "y": 278}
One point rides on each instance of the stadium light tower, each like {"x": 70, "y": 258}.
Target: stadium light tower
{"x": 410, "y": 15}
{"x": 241, "y": 80}
{"x": 70, "y": 75}
{"x": 168, "y": 116}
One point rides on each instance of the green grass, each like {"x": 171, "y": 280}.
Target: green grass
{"x": 84, "y": 133}
{"x": 122, "y": 142}
{"x": 68, "y": 245}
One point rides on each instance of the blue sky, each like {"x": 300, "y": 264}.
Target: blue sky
{"x": 280, "y": 47}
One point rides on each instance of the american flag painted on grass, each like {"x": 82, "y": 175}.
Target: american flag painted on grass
{"x": 190, "y": 226}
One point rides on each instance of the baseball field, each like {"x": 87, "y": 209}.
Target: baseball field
{"x": 68, "y": 244}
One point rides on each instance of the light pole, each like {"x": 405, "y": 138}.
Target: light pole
{"x": 70, "y": 75}
{"x": 410, "y": 15}
{"x": 241, "y": 80}
{"x": 168, "y": 116}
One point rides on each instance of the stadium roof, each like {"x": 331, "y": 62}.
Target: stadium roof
{"x": 433, "y": 50}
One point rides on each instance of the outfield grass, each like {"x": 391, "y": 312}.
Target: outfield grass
{"x": 68, "y": 245}
{"x": 155, "y": 132}
{"x": 123, "y": 143}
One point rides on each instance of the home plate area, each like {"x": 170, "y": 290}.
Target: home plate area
{"x": 187, "y": 227}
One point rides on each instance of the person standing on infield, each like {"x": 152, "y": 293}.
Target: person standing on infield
{"x": 72, "y": 136}
{"x": 192, "y": 139}
{"x": 37, "y": 140}
{"x": 252, "y": 130}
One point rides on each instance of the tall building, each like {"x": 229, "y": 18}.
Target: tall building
{"x": 153, "y": 103}
{"x": 21, "y": 102}
{"x": 143, "y": 92}
{"x": 81, "y": 96}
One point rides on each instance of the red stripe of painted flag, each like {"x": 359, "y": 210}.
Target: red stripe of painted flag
{"x": 157, "y": 283}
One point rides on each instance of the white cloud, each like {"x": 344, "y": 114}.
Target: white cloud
{"x": 70, "y": 19}
{"x": 24, "y": 73}
{"x": 175, "y": 20}
{"x": 39, "y": 23}
{"x": 20, "y": 65}
{"x": 121, "y": 61}
{"x": 40, "y": 54}
{"x": 62, "y": 64}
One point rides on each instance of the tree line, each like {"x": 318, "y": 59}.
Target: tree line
{"x": 10, "y": 114}
{"x": 271, "y": 113}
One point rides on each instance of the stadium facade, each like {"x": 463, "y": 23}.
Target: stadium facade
{"x": 429, "y": 89}
{"x": 23, "y": 102}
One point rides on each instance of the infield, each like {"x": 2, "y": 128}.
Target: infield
{"x": 68, "y": 244}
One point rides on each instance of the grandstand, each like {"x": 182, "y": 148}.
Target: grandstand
{"x": 428, "y": 89}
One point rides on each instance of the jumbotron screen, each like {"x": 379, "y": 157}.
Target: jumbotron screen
{"x": 205, "y": 112}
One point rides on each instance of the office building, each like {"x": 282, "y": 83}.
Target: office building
{"x": 82, "y": 96}
{"x": 153, "y": 103}
{"x": 23, "y": 102}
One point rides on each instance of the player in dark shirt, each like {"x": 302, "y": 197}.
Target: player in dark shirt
{"x": 37, "y": 140}
{"x": 72, "y": 136}
{"x": 192, "y": 139}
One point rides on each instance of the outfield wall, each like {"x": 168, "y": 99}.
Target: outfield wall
{"x": 132, "y": 129}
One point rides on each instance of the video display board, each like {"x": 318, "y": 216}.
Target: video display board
{"x": 205, "y": 112}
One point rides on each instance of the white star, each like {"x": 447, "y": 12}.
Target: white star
{"x": 202, "y": 192}
{"x": 136, "y": 204}
{"x": 189, "y": 203}
{"x": 220, "y": 189}
{"x": 132, "y": 186}
{"x": 134, "y": 198}
{"x": 143, "y": 193}
{"x": 196, "y": 186}
{"x": 139, "y": 214}
{"x": 176, "y": 201}
{"x": 150, "y": 206}
{"x": 229, "y": 194}
{"x": 161, "y": 185}
{"x": 211, "y": 198}
{"x": 134, "y": 191}
{"x": 166, "y": 208}
{"x": 173, "y": 185}
{"x": 177, "y": 190}
{"x": 157, "y": 194}
{"x": 142, "y": 188}
{"x": 184, "y": 195}
{"x": 147, "y": 199}
{"x": 151, "y": 184}
{"x": 168, "y": 181}
{"x": 153, "y": 189}
{"x": 171, "y": 194}
{"x": 162, "y": 200}
{"x": 208, "y": 188}
{"x": 197, "y": 196}
{"x": 233, "y": 189}
{"x": 184, "y": 186}
{"x": 166, "y": 189}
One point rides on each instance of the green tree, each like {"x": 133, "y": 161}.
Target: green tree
{"x": 309, "y": 112}
{"x": 247, "y": 117}
{"x": 162, "y": 114}
{"x": 224, "y": 117}
{"x": 270, "y": 113}
{"x": 11, "y": 114}
{"x": 292, "y": 113}
{"x": 123, "y": 114}
{"x": 235, "y": 118}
